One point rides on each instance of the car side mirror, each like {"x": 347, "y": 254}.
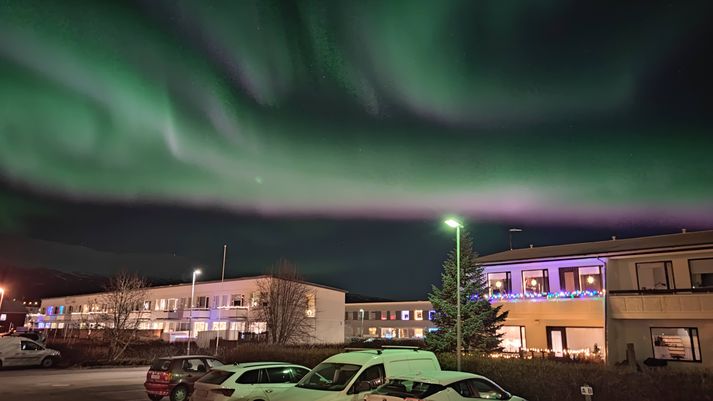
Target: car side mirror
{"x": 362, "y": 386}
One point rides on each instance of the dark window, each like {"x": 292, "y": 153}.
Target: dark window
{"x": 654, "y": 275}
{"x": 298, "y": 373}
{"x": 346, "y": 315}
{"x": 374, "y": 375}
{"x": 161, "y": 365}
{"x": 216, "y": 376}
{"x": 279, "y": 375}
{"x": 249, "y": 377}
{"x": 355, "y": 315}
{"x": 487, "y": 390}
{"x": 194, "y": 365}
{"x": 29, "y": 346}
{"x": 462, "y": 388}
{"x": 701, "y": 273}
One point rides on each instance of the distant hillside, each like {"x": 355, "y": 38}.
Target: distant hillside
{"x": 34, "y": 283}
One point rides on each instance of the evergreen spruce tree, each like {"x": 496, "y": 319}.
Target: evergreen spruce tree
{"x": 480, "y": 321}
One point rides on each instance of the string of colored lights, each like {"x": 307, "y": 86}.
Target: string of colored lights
{"x": 545, "y": 295}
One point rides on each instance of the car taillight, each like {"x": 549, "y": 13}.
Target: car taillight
{"x": 224, "y": 391}
{"x": 166, "y": 376}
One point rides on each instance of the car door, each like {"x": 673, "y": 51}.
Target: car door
{"x": 374, "y": 375}
{"x": 193, "y": 369}
{"x": 275, "y": 380}
{"x": 486, "y": 390}
{"x": 30, "y": 353}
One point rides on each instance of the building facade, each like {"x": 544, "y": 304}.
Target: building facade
{"x": 391, "y": 320}
{"x": 220, "y": 308}
{"x": 595, "y": 298}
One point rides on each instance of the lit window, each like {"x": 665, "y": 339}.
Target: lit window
{"x": 61, "y": 309}
{"x": 676, "y": 343}
{"x": 535, "y": 281}
{"x": 311, "y": 305}
{"x": 388, "y": 332}
{"x": 418, "y": 314}
{"x": 418, "y": 333}
{"x": 590, "y": 278}
{"x": 237, "y": 300}
{"x": 3, "y": 317}
{"x": 220, "y": 326}
{"x": 372, "y": 331}
{"x": 499, "y": 283}
{"x": 405, "y": 315}
{"x": 513, "y": 338}
{"x": 431, "y": 315}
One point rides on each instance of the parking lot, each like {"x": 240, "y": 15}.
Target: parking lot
{"x": 105, "y": 384}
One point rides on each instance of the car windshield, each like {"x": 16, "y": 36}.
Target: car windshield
{"x": 408, "y": 389}
{"x": 329, "y": 376}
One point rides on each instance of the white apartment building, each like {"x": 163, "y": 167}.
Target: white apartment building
{"x": 221, "y": 308}
{"x": 392, "y": 320}
{"x": 653, "y": 292}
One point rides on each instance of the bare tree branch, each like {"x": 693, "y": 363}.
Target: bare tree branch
{"x": 286, "y": 305}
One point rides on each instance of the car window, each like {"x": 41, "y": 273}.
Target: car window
{"x": 462, "y": 388}
{"x": 213, "y": 362}
{"x": 216, "y": 376}
{"x": 161, "y": 365}
{"x": 279, "y": 375}
{"x": 29, "y": 346}
{"x": 409, "y": 389}
{"x": 249, "y": 377}
{"x": 329, "y": 376}
{"x": 194, "y": 365}
{"x": 373, "y": 375}
{"x": 487, "y": 390}
{"x": 298, "y": 373}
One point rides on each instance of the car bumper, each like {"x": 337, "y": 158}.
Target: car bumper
{"x": 158, "y": 388}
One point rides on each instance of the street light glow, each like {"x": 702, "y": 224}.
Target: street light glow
{"x": 197, "y": 271}
{"x": 453, "y": 223}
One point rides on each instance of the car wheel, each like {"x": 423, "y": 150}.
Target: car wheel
{"x": 47, "y": 362}
{"x": 155, "y": 397}
{"x": 179, "y": 393}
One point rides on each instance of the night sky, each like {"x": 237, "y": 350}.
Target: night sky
{"x": 338, "y": 134}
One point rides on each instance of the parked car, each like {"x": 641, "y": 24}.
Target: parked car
{"x": 440, "y": 386}
{"x": 21, "y": 351}
{"x": 174, "y": 377}
{"x": 35, "y": 336}
{"x": 349, "y": 376}
{"x": 247, "y": 381}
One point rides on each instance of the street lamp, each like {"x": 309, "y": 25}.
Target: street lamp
{"x": 190, "y": 315}
{"x": 510, "y": 231}
{"x": 457, "y": 225}
{"x": 2, "y": 295}
{"x": 361, "y": 332}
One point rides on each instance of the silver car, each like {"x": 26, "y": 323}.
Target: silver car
{"x": 21, "y": 351}
{"x": 442, "y": 385}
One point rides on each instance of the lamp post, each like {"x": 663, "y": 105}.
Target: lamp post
{"x": 457, "y": 225}
{"x": 361, "y": 331}
{"x": 222, "y": 280}
{"x": 190, "y": 315}
{"x": 2, "y": 296}
{"x": 510, "y": 231}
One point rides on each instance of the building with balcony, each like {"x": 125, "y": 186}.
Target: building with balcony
{"x": 392, "y": 320}
{"x": 595, "y": 298}
{"x": 220, "y": 308}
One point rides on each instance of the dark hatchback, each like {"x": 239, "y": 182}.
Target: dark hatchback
{"x": 174, "y": 376}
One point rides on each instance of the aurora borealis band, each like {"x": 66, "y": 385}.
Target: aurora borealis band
{"x": 528, "y": 112}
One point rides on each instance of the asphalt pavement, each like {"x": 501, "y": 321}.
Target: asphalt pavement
{"x": 102, "y": 384}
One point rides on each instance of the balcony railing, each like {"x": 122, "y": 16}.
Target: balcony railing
{"x": 674, "y": 291}
{"x": 543, "y": 295}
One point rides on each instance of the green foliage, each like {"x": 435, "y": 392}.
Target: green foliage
{"x": 480, "y": 320}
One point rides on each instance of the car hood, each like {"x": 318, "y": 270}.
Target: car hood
{"x": 306, "y": 394}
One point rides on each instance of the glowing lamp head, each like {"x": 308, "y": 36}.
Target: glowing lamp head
{"x": 533, "y": 282}
{"x": 590, "y": 280}
{"x": 498, "y": 284}
{"x": 2, "y": 290}
{"x": 453, "y": 223}
{"x": 197, "y": 272}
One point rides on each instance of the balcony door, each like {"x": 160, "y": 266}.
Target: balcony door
{"x": 569, "y": 279}
{"x": 557, "y": 340}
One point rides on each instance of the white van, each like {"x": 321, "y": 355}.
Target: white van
{"x": 349, "y": 376}
{"x": 21, "y": 351}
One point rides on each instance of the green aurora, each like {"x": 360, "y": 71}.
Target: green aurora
{"x": 545, "y": 110}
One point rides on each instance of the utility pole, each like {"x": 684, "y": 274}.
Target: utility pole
{"x": 222, "y": 280}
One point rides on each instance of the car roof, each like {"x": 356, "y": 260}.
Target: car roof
{"x": 442, "y": 377}
{"x": 177, "y": 357}
{"x": 364, "y": 355}
{"x": 235, "y": 367}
